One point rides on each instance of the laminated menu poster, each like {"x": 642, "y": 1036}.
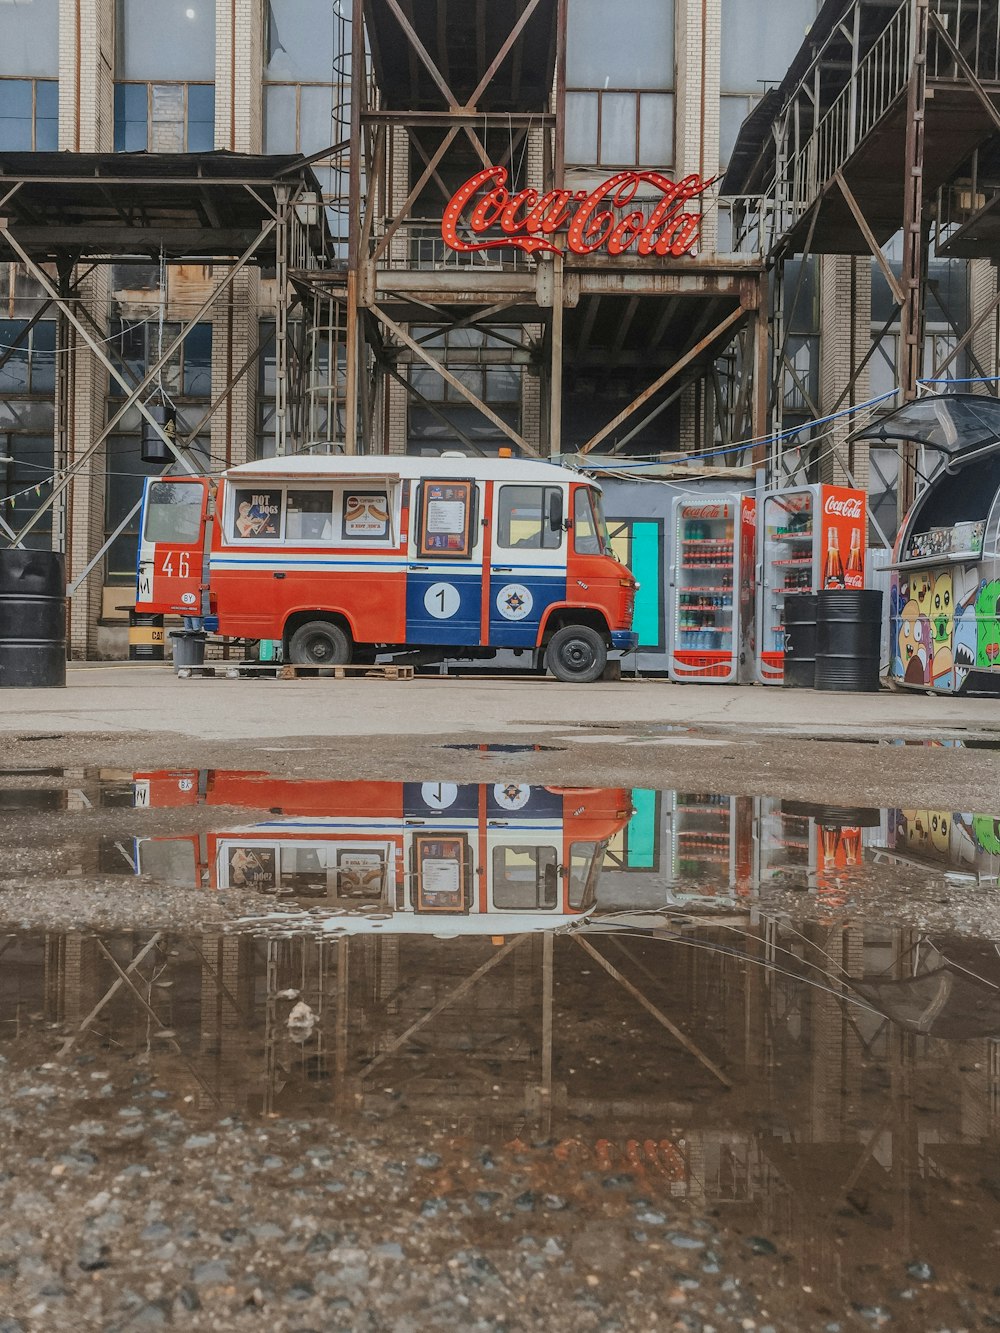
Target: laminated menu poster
{"x": 441, "y": 873}
{"x": 252, "y": 868}
{"x": 366, "y": 516}
{"x": 445, "y": 527}
{"x": 360, "y": 874}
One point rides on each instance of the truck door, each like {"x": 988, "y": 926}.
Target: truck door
{"x": 528, "y": 560}
{"x": 444, "y": 578}
{"x": 172, "y": 545}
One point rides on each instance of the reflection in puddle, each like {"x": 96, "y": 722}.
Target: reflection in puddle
{"x": 501, "y": 968}
{"x": 833, "y": 1090}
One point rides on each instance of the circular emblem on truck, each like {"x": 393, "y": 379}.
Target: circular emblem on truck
{"x": 514, "y": 601}
{"x": 442, "y": 600}
{"x": 511, "y": 795}
{"x": 188, "y": 598}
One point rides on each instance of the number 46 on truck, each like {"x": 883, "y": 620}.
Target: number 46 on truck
{"x": 343, "y": 559}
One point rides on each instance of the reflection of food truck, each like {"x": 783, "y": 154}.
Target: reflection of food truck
{"x": 944, "y": 631}
{"x": 343, "y": 558}
{"x": 394, "y": 855}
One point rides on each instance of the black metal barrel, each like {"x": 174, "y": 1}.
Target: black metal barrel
{"x": 189, "y": 647}
{"x": 800, "y": 640}
{"x": 848, "y": 640}
{"x": 32, "y": 618}
{"x": 145, "y": 637}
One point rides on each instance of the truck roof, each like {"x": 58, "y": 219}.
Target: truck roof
{"x": 393, "y": 466}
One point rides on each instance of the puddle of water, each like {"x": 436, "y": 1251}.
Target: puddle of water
{"x": 435, "y": 852}
{"x": 830, "y": 1093}
{"x": 513, "y": 984}
{"x": 501, "y": 749}
{"x": 926, "y": 743}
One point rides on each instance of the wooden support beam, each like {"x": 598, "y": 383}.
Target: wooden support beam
{"x": 690, "y": 1046}
{"x": 869, "y": 236}
{"x": 670, "y": 373}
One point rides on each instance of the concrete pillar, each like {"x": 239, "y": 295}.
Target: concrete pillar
{"x": 845, "y": 336}
{"x": 234, "y": 336}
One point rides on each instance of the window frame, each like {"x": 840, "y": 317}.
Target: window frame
{"x": 545, "y": 527}
{"x": 536, "y": 850}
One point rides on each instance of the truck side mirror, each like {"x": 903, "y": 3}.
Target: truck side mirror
{"x": 556, "y": 511}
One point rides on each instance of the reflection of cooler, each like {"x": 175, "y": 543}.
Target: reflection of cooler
{"x": 806, "y": 841}
{"x": 712, "y": 838}
{"x": 811, "y": 537}
{"x": 709, "y": 568}
{"x": 384, "y": 856}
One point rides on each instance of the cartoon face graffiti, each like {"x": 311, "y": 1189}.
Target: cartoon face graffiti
{"x": 920, "y": 590}
{"x": 988, "y": 619}
{"x": 940, "y": 829}
{"x": 942, "y": 602}
{"x": 906, "y": 638}
{"x": 987, "y": 831}
{"x": 942, "y": 667}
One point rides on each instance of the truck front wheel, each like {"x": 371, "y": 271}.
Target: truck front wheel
{"x": 576, "y": 655}
{"x": 319, "y": 643}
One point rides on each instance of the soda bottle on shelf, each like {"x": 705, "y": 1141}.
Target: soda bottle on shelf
{"x": 833, "y": 569}
{"x": 854, "y": 577}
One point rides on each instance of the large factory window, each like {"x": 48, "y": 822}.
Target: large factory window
{"x": 29, "y": 38}
{"x": 29, "y": 114}
{"x": 306, "y": 91}
{"x": 165, "y": 71}
{"x": 759, "y": 41}
{"x": 27, "y": 422}
{"x": 619, "y": 98}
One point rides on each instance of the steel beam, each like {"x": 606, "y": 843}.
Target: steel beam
{"x": 670, "y": 373}
{"x": 132, "y": 393}
{"x": 449, "y": 378}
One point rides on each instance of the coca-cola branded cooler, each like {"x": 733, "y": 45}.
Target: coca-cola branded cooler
{"x": 811, "y": 537}
{"x": 712, "y": 846}
{"x": 711, "y": 570}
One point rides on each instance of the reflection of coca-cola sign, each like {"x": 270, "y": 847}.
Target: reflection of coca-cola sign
{"x": 848, "y": 507}
{"x": 706, "y": 511}
{"x": 599, "y": 219}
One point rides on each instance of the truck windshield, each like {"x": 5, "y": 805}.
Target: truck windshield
{"x": 173, "y": 512}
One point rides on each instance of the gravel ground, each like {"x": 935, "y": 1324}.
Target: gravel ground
{"x": 123, "y": 1209}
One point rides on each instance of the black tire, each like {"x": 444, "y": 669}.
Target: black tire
{"x": 319, "y": 643}
{"x": 576, "y": 655}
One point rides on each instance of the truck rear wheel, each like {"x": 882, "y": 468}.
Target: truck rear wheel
{"x": 319, "y": 643}
{"x": 576, "y": 654}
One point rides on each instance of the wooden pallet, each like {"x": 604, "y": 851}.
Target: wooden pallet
{"x": 293, "y": 671}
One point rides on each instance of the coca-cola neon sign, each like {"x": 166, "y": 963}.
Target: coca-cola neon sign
{"x": 600, "y": 219}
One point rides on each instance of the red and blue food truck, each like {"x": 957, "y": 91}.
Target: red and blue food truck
{"x": 340, "y": 559}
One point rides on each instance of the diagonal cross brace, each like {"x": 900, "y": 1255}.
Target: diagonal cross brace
{"x": 132, "y": 394}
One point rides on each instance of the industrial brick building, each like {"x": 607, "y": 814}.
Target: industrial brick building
{"x": 357, "y": 322}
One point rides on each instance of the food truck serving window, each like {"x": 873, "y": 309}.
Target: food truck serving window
{"x": 530, "y": 518}
{"x": 309, "y": 516}
{"x": 173, "y": 512}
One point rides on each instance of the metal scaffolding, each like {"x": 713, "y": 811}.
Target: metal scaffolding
{"x": 437, "y": 94}
{"x": 78, "y": 211}
{"x": 885, "y": 123}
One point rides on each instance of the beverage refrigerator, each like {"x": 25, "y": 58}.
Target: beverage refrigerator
{"x": 811, "y": 537}
{"x": 709, "y": 566}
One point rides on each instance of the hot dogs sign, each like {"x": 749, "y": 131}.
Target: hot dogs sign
{"x": 642, "y": 211}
